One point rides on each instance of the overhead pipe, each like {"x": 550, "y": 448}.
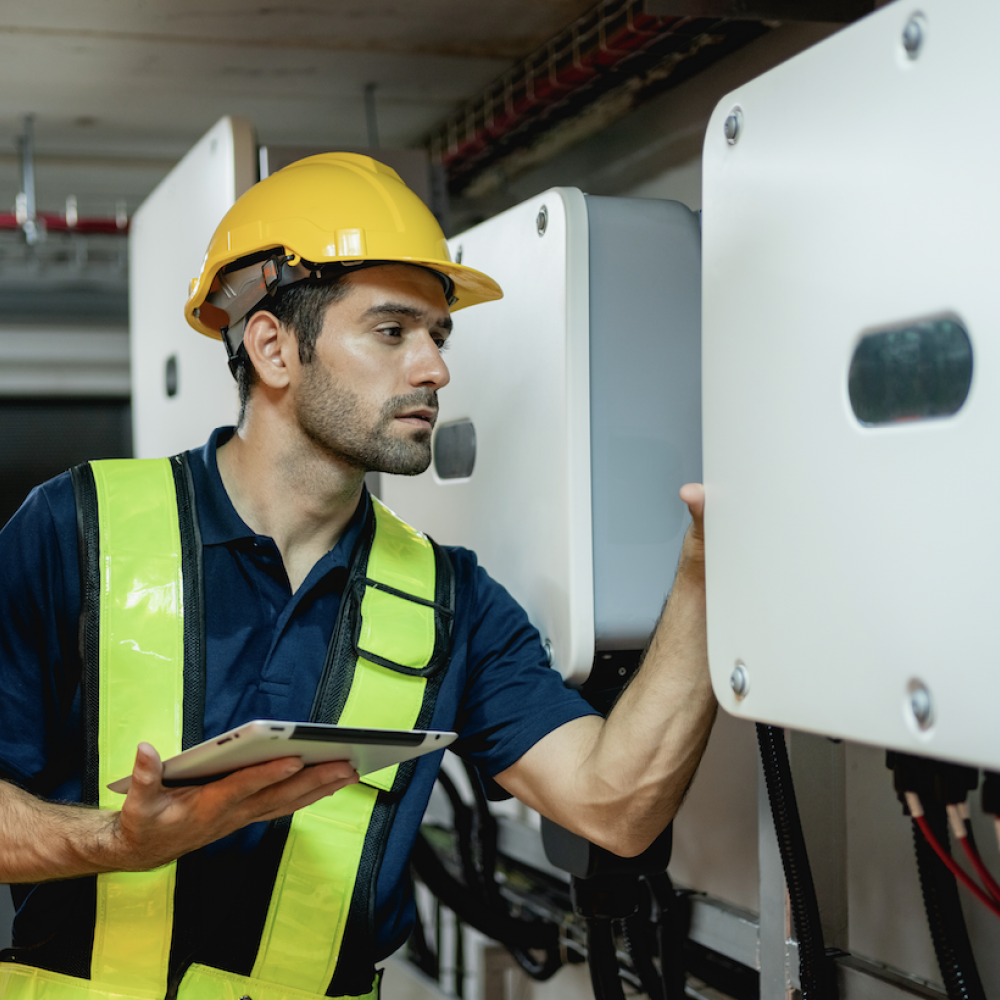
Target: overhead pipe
{"x": 52, "y": 222}
{"x": 35, "y": 224}
{"x": 27, "y": 219}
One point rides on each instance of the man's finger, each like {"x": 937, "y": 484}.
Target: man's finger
{"x": 285, "y": 795}
{"x": 335, "y": 774}
{"x": 693, "y": 494}
{"x": 285, "y": 808}
{"x": 148, "y": 768}
{"x": 248, "y": 781}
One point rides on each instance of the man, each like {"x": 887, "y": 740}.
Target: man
{"x": 330, "y": 284}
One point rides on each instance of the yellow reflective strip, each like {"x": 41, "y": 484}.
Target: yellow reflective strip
{"x": 315, "y": 883}
{"x": 203, "y": 983}
{"x": 141, "y": 693}
{"x": 383, "y": 699}
{"x": 392, "y": 627}
{"x": 402, "y": 557}
{"x": 404, "y": 633}
{"x": 308, "y": 912}
{"x": 22, "y": 982}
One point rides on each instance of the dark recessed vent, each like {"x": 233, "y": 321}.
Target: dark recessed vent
{"x": 911, "y": 372}
{"x": 455, "y": 450}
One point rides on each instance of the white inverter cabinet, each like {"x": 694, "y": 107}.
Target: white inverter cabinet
{"x": 852, "y": 385}
{"x": 572, "y": 417}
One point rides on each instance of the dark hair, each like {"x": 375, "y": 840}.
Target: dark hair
{"x": 302, "y": 308}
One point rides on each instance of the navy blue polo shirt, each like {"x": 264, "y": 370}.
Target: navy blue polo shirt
{"x": 265, "y": 652}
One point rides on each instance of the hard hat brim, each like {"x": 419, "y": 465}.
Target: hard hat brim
{"x": 471, "y": 287}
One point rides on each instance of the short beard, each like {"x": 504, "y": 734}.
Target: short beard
{"x": 331, "y": 417}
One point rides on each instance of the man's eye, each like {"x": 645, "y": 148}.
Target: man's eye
{"x": 442, "y": 343}
{"x": 391, "y": 331}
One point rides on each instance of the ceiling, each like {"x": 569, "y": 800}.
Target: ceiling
{"x": 114, "y": 92}
{"x": 120, "y": 89}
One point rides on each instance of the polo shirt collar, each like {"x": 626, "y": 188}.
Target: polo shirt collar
{"x": 218, "y": 520}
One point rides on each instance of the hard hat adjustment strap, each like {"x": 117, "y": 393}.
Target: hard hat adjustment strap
{"x": 233, "y": 355}
{"x": 243, "y": 286}
{"x": 244, "y": 283}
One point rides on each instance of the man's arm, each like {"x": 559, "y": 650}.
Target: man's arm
{"x": 619, "y": 781}
{"x": 41, "y": 841}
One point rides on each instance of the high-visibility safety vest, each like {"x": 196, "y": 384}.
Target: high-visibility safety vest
{"x": 142, "y": 636}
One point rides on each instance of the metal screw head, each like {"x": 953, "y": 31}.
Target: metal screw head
{"x": 913, "y": 36}
{"x": 547, "y": 646}
{"x": 739, "y": 680}
{"x": 921, "y": 705}
{"x": 733, "y": 126}
{"x": 458, "y": 255}
{"x": 542, "y": 222}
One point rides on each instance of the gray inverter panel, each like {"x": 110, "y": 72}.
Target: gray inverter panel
{"x": 573, "y": 416}
{"x": 645, "y": 404}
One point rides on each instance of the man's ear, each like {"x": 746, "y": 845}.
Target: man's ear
{"x": 272, "y": 347}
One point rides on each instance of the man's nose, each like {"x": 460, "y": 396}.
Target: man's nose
{"x": 427, "y": 365}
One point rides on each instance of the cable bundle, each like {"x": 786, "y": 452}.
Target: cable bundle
{"x": 926, "y": 788}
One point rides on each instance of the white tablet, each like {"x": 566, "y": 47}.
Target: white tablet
{"x": 262, "y": 740}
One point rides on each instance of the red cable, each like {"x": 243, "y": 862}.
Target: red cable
{"x": 969, "y": 846}
{"x": 954, "y": 868}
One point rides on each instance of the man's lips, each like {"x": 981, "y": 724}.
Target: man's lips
{"x": 418, "y": 418}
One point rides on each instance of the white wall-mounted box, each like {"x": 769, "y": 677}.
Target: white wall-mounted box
{"x": 576, "y": 401}
{"x": 181, "y": 386}
{"x": 851, "y": 387}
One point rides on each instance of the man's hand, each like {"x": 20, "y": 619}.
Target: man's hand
{"x": 158, "y": 824}
{"x": 41, "y": 841}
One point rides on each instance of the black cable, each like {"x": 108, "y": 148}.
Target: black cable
{"x": 479, "y": 896}
{"x": 485, "y": 836}
{"x": 944, "y": 913}
{"x": 637, "y": 932}
{"x": 484, "y": 833}
{"x": 462, "y": 823}
{"x": 470, "y": 909}
{"x": 550, "y": 963}
{"x": 420, "y": 951}
{"x": 816, "y": 976}
{"x": 672, "y": 913}
{"x": 603, "y": 960}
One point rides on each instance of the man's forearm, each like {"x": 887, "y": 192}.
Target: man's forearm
{"x": 619, "y": 781}
{"x": 649, "y": 747}
{"x": 41, "y": 841}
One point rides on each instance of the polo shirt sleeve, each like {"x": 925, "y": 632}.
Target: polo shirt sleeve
{"x": 39, "y": 660}
{"x": 512, "y": 697}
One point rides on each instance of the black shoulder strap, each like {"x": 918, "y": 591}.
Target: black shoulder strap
{"x": 88, "y": 547}
{"x": 193, "y": 570}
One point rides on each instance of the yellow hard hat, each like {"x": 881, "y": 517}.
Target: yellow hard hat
{"x": 334, "y": 208}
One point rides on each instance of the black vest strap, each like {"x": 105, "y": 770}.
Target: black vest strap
{"x": 88, "y": 547}
{"x": 192, "y": 566}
